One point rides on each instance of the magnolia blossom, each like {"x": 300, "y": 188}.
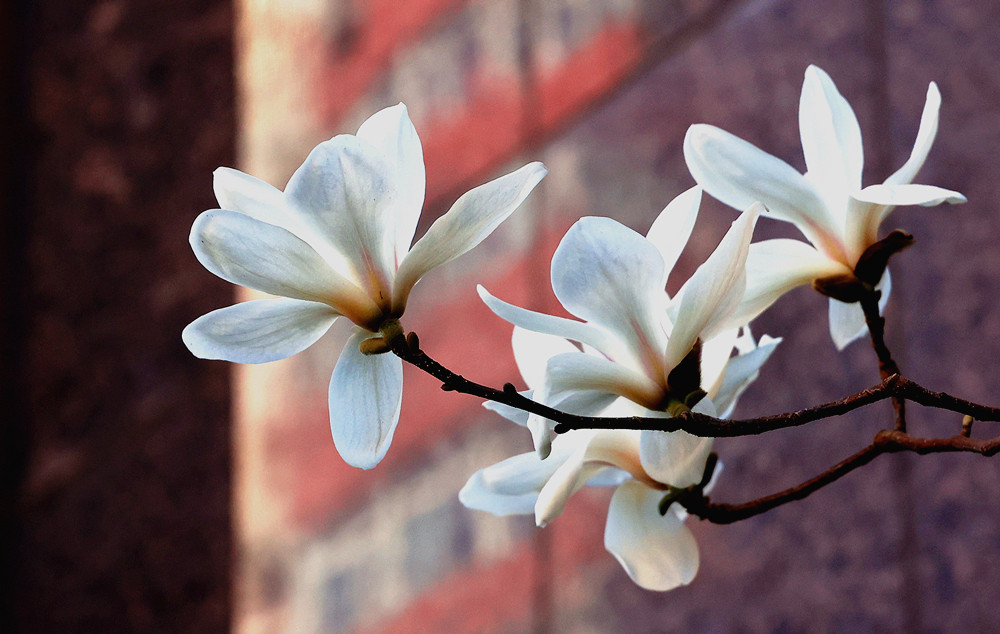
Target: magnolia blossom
{"x": 827, "y": 203}
{"x": 336, "y": 243}
{"x": 641, "y": 354}
{"x": 613, "y": 279}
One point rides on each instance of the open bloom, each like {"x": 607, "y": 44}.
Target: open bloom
{"x": 827, "y": 203}
{"x": 642, "y": 353}
{"x": 649, "y": 344}
{"x": 336, "y": 243}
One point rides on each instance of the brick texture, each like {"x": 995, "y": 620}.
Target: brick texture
{"x": 603, "y": 93}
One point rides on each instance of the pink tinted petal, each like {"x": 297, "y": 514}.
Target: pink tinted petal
{"x": 345, "y": 191}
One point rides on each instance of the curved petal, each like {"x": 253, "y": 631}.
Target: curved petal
{"x": 391, "y": 131}
{"x": 870, "y": 206}
{"x": 241, "y": 192}
{"x": 550, "y": 324}
{"x": 610, "y": 276}
{"x": 658, "y": 553}
{"x": 470, "y": 220}
{"x": 709, "y": 297}
{"x": 513, "y": 414}
{"x": 676, "y": 458}
{"x": 366, "y": 392}
{"x": 581, "y": 403}
{"x": 532, "y": 351}
{"x": 258, "y": 331}
{"x": 579, "y": 372}
{"x": 741, "y": 371}
{"x": 670, "y": 231}
{"x": 512, "y": 485}
{"x": 831, "y": 138}
{"x": 775, "y": 267}
{"x": 907, "y": 194}
{"x": 739, "y": 174}
{"x": 478, "y": 496}
{"x": 925, "y": 139}
{"x": 345, "y": 192}
{"x": 715, "y": 355}
{"x": 616, "y": 448}
{"x": 847, "y": 321}
{"x": 245, "y": 251}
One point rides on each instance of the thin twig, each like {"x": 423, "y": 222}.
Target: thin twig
{"x": 408, "y": 350}
{"x": 691, "y": 422}
{"x": 886, "y": 441}
{"x": 886, "y": 364}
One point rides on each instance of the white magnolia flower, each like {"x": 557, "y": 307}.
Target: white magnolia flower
{"x": 336, "y": 243}
{"x": 828, "y": 204}
{"x": 657, "y": 551}
{"x": 613, "y": 279}
{"x": 633, "y": 339}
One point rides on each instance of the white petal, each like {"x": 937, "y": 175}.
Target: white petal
{"x": 581, "y": 384}
{"x": 366, "y": 392}
{"x": 241, "y": 192}
{"x": 658, "y": 553}
{"x": 579, "y": 372}
{"x": 391, "y": 131}
{"x": 715, "y": 354}
{"x": 607, "y": 274}
{"x": 476, "y": 495}
{"x": 550, "y": 324}
{"x": 925, "y": 139}
{"x": 775, "y": 267}
{"x": 532, "y": 351}
{"x": 258, "y": 331}
{"x": 709, "y": 298}
{"x": 900, "y": 195}
{"x": 847, "y": 321}
{"x": 741, "y": 371}
{"x": 582, "y": 403}
{"x": 258, "y": 255}
{"x": 512, "y": 485}
{"x": 675, "y": 458}
{"x": 870, "y": 206}
{"x": 616, "y": 448}
{"x": 470, "y": 220}
{"x": 739, "y": 174}
{"x": 513, "y": 414}
{"x": 831, "y": 138}
{"x": 670, "y": 231}
{"x": 345, "y": 191}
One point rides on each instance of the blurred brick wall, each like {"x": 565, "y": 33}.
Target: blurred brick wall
{"x": 603, "y": 93}
{"x": 119, "y": 486}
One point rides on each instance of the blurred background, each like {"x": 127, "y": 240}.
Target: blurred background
{"x": 146, "y": 490}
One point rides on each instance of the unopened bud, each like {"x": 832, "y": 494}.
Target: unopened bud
{"x": 375, "y": 345}
{"x": 846, "y": 288}
{"x": 871, "y": 265}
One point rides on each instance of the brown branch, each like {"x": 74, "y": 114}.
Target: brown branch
{"x": 408, "y": 349}
{"x": 886, "y": 364}
{"x": 693, "y": 499}
{"x": 698, "y": 424}
{"x": 886, "y": 441}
